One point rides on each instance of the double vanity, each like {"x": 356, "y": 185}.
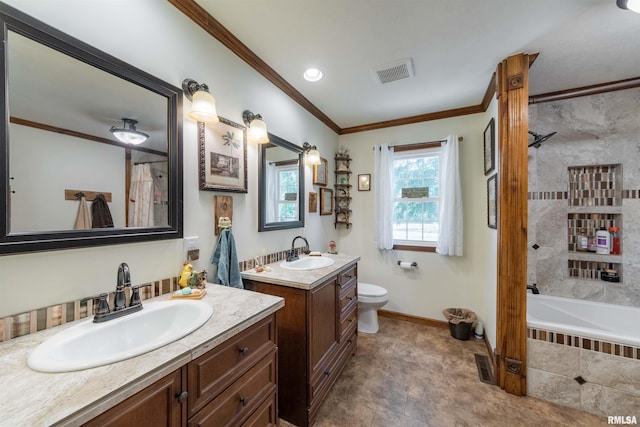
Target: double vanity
{"x": 256, "y": 353}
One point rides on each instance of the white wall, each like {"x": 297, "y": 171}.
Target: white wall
{"x": 438, "y": 282}
{"x": 155, "y": 37}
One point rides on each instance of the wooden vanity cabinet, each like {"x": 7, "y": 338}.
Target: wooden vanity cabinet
{"x": 317, "y": 333}
{"x": 233, "y": 384}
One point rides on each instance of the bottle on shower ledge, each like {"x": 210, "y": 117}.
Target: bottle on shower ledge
{"x": 615, "y": 241}
{"x": 603, "y": 241}
{"x": 582, "y": 241}
{"x": 591, "y": 245}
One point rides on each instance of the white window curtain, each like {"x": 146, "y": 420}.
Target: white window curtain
{"x": 383, "y": 190}
{"x": 450, "y": 236}
{"x": 141, "y": 196}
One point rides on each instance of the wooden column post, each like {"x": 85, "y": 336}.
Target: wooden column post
{"x": 511, "y": 342}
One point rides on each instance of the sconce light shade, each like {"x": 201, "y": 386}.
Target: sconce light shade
{"x": 313, "y": 155}
{"x": 203, "y": 104}
{"x": 128, "y": 133}
{"x": 257, "y": 127}
{"x": 633, "y": 5}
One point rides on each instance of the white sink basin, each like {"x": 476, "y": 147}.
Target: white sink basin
{"x": 308, "y": 263}
{"x": 88, "y": 344}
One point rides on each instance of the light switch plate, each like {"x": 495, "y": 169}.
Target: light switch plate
{"x": 191, "y": 248}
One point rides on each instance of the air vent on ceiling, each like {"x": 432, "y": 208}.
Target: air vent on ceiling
{"x": 394, "y": 71}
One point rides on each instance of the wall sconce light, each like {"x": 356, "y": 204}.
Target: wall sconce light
{"x": 313, "y": 155}
{"x": 257, "y": 127}
{"x": 203, "y": 104}
{"x": 633, "y": 5}
{"x": 128, "y": 133}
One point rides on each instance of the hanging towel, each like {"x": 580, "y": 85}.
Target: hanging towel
{"x": 83, "y": 220}
{"x": 100, "y": 213}
{"x": 226, "y": 259}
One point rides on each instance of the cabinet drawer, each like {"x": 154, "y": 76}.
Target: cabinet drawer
{"x": 348, "y": 299}
{"x": 349, "y": 274}
{"x": 242, "y": 397}
{"x": 265, "y": 415}
{"x": 349, "y": 322}
{"x": 212, "y": 372}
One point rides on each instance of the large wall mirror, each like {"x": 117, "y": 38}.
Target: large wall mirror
{"x": 62, "y": 99}
{"x": 281, "y": 185}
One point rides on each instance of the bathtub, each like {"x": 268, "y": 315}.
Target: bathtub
{"x": 586, "y": 319}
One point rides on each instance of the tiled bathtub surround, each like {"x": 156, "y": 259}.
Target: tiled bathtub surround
{"x": 595, "y": 376}
{"x": 591, "y": 269}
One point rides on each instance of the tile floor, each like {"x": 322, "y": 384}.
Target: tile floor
{"x": 414, "y": 375}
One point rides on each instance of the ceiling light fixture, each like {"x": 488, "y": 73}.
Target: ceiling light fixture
{"x": 128, "y": 133}
{"x": 257, "y": 127}
{"x": 203, "y": 106}
{"x": 313, "y": 74}
{"x": 633, "y": 5}
{"x": 313, "y": 155}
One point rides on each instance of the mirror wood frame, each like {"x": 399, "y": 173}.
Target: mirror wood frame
{"x": 12, "y": 243}
{"x": 262, "y": 185}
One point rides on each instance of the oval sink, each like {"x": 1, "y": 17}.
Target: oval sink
{"x": 88, "y": 344}
{"x": 308, "y": 263}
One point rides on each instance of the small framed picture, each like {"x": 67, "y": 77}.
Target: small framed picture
{"x": 223, "y": 156}
{"x": 364, "y": 182}
{"x": 489, "y": 148}
{"x": 492, "y": 201}
{"x": 313, "y": 202}
{"x": 326, "y": 201}
{"x": 320, "y": 172}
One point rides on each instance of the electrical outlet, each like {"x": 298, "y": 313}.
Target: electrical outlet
{"x": 191, "y": 248}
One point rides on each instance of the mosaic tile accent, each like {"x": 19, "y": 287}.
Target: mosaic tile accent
{"x": 631, "y": 194}
{"x": 614, "y": 349}
{"x": 248, "y": 264}
{"x": 590, "y": 222}
{"x": 593, "y": 186}
{"x": 33, "y": 321}
{"x": 591, "y": 269}
{"x": 547, "y": 195}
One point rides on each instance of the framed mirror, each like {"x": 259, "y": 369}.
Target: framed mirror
{"x": 280, "y": 185}
{"x": 64, "y": 103}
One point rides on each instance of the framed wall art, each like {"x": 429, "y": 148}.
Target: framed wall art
{"x": 489, "y": 147}
{"x": 223, "y": 156}
{"x": 364, "y": 182}
{"x": 492, "y": 201}
{"x": 313, "y": 202}
{"x": 326, "y": 201}
{"x": 320, "y": 172}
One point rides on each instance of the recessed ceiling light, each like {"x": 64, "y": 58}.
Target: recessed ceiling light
{"x": 313, "y": 74}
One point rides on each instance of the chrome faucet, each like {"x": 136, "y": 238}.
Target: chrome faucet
{"x": 102, "y": 311}
{"x": 533, "y": 288}
{"x": 293, "y": 255}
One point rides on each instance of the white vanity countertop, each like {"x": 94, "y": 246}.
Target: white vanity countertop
{"x": 301, "y": 279}
{"x": 34, "y": 399}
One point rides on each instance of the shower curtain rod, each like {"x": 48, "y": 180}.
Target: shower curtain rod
{"x": 460, "y": 139}
{"x": 155, "y": 161}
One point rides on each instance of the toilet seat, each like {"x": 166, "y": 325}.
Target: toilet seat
{"x": 369, "y": 290}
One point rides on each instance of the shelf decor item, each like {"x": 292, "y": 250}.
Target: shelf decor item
{"x": 343, "y": 189}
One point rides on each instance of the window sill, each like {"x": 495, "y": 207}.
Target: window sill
{"x": 414, "y": 248}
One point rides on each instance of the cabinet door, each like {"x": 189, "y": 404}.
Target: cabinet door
{"x": 155, "y": 406}
{"x": 323, "y": 315}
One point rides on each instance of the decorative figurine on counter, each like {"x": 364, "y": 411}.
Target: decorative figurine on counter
{"x": 332, "y": 247}
{"x": 198, "y": 280}
{"x": 185, "y": 275}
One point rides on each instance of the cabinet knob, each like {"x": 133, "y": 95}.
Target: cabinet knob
{"x": 244, "y": 401}
{"x": 350, "y": 298}
{"x": 182, "y": 397}
{"x": 243, "y": 351}
{"x": 327, "y": 373}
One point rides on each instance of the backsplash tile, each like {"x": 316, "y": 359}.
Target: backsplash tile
{"x": 614, "y": 349}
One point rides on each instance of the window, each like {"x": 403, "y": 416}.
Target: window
{"x": 416, "y": 196}
{"x": 287, "y": 187}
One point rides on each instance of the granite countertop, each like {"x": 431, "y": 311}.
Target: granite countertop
{"x": 301, "y": 279}
{"x": 33, "y": 399}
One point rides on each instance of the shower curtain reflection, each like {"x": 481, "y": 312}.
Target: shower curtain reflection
{"x": 141, "y": 195}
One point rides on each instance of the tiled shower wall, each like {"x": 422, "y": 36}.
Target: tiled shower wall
{"x": 586, "y": 174}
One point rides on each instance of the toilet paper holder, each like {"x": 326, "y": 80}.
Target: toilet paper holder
{"x": 413, "y": 264}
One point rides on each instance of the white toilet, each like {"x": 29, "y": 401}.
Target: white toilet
{"x": 370, "y": 299}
